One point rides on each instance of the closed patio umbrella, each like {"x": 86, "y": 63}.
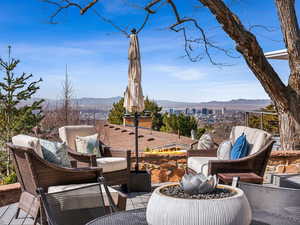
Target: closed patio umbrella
{"x": 133, "y": 96}
{"x": 134, "y": 99}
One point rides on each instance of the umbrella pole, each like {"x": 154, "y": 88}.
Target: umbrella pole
{"x": 136, "y": 124}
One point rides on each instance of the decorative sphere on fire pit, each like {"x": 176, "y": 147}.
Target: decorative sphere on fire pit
{"x": 198, "y": 184}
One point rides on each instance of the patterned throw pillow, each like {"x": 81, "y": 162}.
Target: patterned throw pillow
{"x": 205, "y": 142}
{"x": 88, "y": 144}
{"x": 55, "y": 152}
{"x": 224, "y": 150}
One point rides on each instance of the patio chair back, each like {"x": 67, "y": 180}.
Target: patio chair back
{"x": 77, "y": 206}
{"x": 68, "y": 134}
{"x": 21, "y": 157}
{"x": 256, "y": 138}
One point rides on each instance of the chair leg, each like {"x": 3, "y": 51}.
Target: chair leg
{"x": 41, "y": 217}
{"x": 17, "y": 213}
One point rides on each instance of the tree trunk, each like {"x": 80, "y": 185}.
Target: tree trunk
{"x": 287, "y": 130}
{"x": 290, "y": 117}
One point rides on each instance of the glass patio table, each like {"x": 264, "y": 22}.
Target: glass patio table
{"x": 138, "y": 217}
{"x": 130, "y": 217}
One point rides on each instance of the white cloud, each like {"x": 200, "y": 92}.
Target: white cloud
{"x": 181, "y": 73}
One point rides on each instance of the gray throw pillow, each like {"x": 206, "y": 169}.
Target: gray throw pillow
{"x": 205, "y": 142}
{"x": 224, "y": 150}
{"x": 88, "y": 144}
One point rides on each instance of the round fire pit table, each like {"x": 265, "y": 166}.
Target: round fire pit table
{"x": 138, "y": 217}
{"x": 130, "y": 217}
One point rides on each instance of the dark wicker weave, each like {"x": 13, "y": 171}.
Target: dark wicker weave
{"x": 78, "y": 206}
{"x": 131, "y": 217}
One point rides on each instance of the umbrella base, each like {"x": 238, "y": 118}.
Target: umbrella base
{"x": 139, "y": 181}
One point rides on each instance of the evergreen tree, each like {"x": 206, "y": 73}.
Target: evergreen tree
{"x": 14, "y": 90}
{"x": 117, "y": 112}
{"x": 154, "y": 109}
{"x": 181, "y": 124}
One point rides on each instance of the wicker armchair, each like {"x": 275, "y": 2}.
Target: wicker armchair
{"x": 207, "y": 162}
{"x": 115, "y": 164}
{"x": 33, "y": 172}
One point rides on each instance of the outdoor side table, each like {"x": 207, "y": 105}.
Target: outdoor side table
{"x": 130, "y": 217}
{"x": 226, "y": 178}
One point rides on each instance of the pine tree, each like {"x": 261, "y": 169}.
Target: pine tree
{"x": 117, "y": 112}
{"x": 16, "y": 117}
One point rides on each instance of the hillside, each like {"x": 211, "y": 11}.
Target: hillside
{"x": 106, "y": 103}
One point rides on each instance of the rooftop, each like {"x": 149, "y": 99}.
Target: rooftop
{"x": 120, "y": 137}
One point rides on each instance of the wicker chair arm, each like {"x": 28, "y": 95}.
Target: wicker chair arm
{"x": 83, "y": 160}
{"x": 117, "y": 153}
{"x": 202, "y": 153}
{"x": 229, "y": 166}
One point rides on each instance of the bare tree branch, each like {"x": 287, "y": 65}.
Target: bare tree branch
{"x": 150, "y": 5}
{"x": 64, "y": 4}
{"x": 111, "y": 23}
{"x": 91, "y": 4}
{"x": 144, "y": 23}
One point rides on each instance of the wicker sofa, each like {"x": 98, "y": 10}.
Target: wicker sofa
{"x": 260, "y": 146}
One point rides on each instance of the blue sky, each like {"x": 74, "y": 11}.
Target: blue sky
{"x": 96, "y": 53}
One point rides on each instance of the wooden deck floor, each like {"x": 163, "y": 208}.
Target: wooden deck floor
{"x": 134, "y": 201}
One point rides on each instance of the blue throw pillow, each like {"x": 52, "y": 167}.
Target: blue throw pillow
{"x": 240, "y": 148}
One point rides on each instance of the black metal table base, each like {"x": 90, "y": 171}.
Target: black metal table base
{"x": 139, "y": 181}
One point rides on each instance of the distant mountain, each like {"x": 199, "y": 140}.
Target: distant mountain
{"x": 106, "y": 103}
{"x": 238, "y": 104}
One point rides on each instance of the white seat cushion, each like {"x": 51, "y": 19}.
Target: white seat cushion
{"x": 110, "y": 164}
{"x": 81, "y": 196}
{"x": 200, "y": 164}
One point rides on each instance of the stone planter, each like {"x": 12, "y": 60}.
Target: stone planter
{"x": 166, "y": 210}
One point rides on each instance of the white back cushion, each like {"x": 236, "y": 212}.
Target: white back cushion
{"x": 256, "y": 138}
{"x": 224, "y": 150}
{"x": 68, "y": 134}
{"x": 27, "y": 142}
